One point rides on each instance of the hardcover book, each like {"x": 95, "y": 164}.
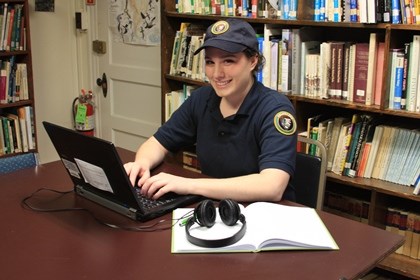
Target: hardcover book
{"x": 371, "y": 74}
{"x": 379, "y": 74}
{"x": 361, "y": 72}
{"x": 263, "y": 232}
{"x": 413, "y": 70}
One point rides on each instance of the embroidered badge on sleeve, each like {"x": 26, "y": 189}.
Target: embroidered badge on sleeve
{"x": 285, "y": 123}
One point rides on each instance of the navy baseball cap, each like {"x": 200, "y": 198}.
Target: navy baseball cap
{"x": 231, "y": 35}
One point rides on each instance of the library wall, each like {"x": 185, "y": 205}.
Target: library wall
{"x": 54, "y": 55}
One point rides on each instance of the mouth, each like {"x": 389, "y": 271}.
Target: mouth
{"x": 222, "y": 83}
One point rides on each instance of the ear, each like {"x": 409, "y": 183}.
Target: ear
{"x": 254, "y": 62}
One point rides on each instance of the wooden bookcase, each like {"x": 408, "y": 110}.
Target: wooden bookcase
{"x": 20, "y": 55}
{"x": 379, "y": 194}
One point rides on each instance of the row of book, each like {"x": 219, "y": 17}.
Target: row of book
{"x": 183, "y": 61}
{"x": 190, "y": 161}
{"x": 13, "y": 81}
{"x": 404, "y": 77}
{"x": 281, "y": 9}
{"x": 363, "y": 147}
{"x": 363, "y": 11}
{"x": 368, "y": 11}
{"x": 343, "y": 205}
{"x": 297, "y": 63}
{"x": 17, "y": 131}
{"x": 12, "y": 27}
{"x": 406, "y": 224}
{"x": 175, "y": 98}
{"x": 398, "y": 221}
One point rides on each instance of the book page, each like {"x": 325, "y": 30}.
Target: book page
{"x": 278, "y": 226}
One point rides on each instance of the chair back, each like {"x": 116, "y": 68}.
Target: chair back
{"x": 310, "y": 175}
{"x": 17, "y": 162}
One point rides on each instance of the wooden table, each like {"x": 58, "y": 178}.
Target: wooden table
{"x": 73, "y": 245}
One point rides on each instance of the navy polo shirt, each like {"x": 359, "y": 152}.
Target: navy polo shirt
{"x": 251, "y": 140}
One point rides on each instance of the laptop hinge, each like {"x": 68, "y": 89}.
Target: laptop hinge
{"x": 124, "y": 210}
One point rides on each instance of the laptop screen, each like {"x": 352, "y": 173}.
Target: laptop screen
{"x": 92, "y": 163}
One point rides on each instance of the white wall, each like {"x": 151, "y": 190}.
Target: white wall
{"x": 55, "y": 47}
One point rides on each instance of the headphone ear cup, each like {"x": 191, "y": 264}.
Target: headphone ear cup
{"x": 229, "y": 211}
{"x": 205, "y": 213}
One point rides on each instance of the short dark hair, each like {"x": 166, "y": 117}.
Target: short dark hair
{"x": 261, "y": 59}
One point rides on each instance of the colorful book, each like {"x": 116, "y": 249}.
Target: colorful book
{"x": 366, "y": 147}
{"x": 341, "y": 149}
{"x": 399, "y": 73}
{"x": 405, "y": 75}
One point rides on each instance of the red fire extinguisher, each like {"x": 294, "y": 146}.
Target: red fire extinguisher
{"x": 84, "y": 113}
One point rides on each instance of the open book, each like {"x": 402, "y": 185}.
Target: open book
{"x": 270, "y": 226}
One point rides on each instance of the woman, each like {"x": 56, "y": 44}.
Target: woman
{"x": 245, "y": 133}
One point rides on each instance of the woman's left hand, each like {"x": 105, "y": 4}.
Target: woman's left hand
{"x": 162, "y": 183}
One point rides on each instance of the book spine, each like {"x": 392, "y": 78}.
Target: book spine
{"x": 371, "y": 11}
{"x": 317, "y": 10}
{"x": 333, "y": 72}
{"x": 296, "y": 56}
{"x": 346, "y": 69}
{"x": 373, "y": 47}
{"x": 359, "y": 142}
{"x": 399, "y": 72}
{"x": 379, "y": 11}
{"x": 260, "y": 39}
{"x": 322, "y": 10}
{"x": 254, "y": 8}
{"x": 340, "y": 67}
{"x": 360, "y": 72}
{"x": 274, "y": 47}
{"x": 337, "y": 11}
{"x": 293, "y": 9}
{"x": 353, "y": 11}
{"x": 379, "y": 74}
{"x": 363, "y": 12}
{"x": 413, "y": 70}
{"x": 395, "y": 12}
{"x": 387, "y": 11}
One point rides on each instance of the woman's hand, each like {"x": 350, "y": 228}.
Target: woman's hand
{"x": 137, "y": 170}
{"x": 162, "y": 183}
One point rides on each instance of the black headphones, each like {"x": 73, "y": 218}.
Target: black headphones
{"x": 205, "y": 215}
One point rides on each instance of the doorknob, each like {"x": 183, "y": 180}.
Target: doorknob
{"x": 103, "y": 84}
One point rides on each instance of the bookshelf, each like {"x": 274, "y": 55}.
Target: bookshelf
{"x": 378, "y": 194}
{"x": 16, "y": 83}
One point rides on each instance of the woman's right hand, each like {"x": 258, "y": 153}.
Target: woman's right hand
{"x": 136, "y": 170}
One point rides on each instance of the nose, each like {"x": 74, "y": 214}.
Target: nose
{"x": 218, "y": 70}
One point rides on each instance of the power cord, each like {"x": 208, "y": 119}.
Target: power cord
{"x": 156, "y": 226}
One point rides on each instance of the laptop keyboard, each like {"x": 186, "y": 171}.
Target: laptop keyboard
{"x": 152, "y": 203}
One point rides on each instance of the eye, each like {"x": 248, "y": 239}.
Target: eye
{"x": 209, "y": 62}
{"x": 229, "y": 61}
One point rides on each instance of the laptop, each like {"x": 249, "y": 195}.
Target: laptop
{"x": 99, "y": 175}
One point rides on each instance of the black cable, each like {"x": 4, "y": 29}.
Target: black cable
{"x": 145, "y": 228}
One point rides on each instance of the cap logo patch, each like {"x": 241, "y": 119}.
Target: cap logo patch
{"x": 220, "y": 27}
{"x": 285, "y": 123}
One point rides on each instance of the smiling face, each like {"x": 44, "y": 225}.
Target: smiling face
{"x": 230, "y": 74}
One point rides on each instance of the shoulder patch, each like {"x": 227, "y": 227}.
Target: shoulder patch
{"x": 285, "y": 123}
